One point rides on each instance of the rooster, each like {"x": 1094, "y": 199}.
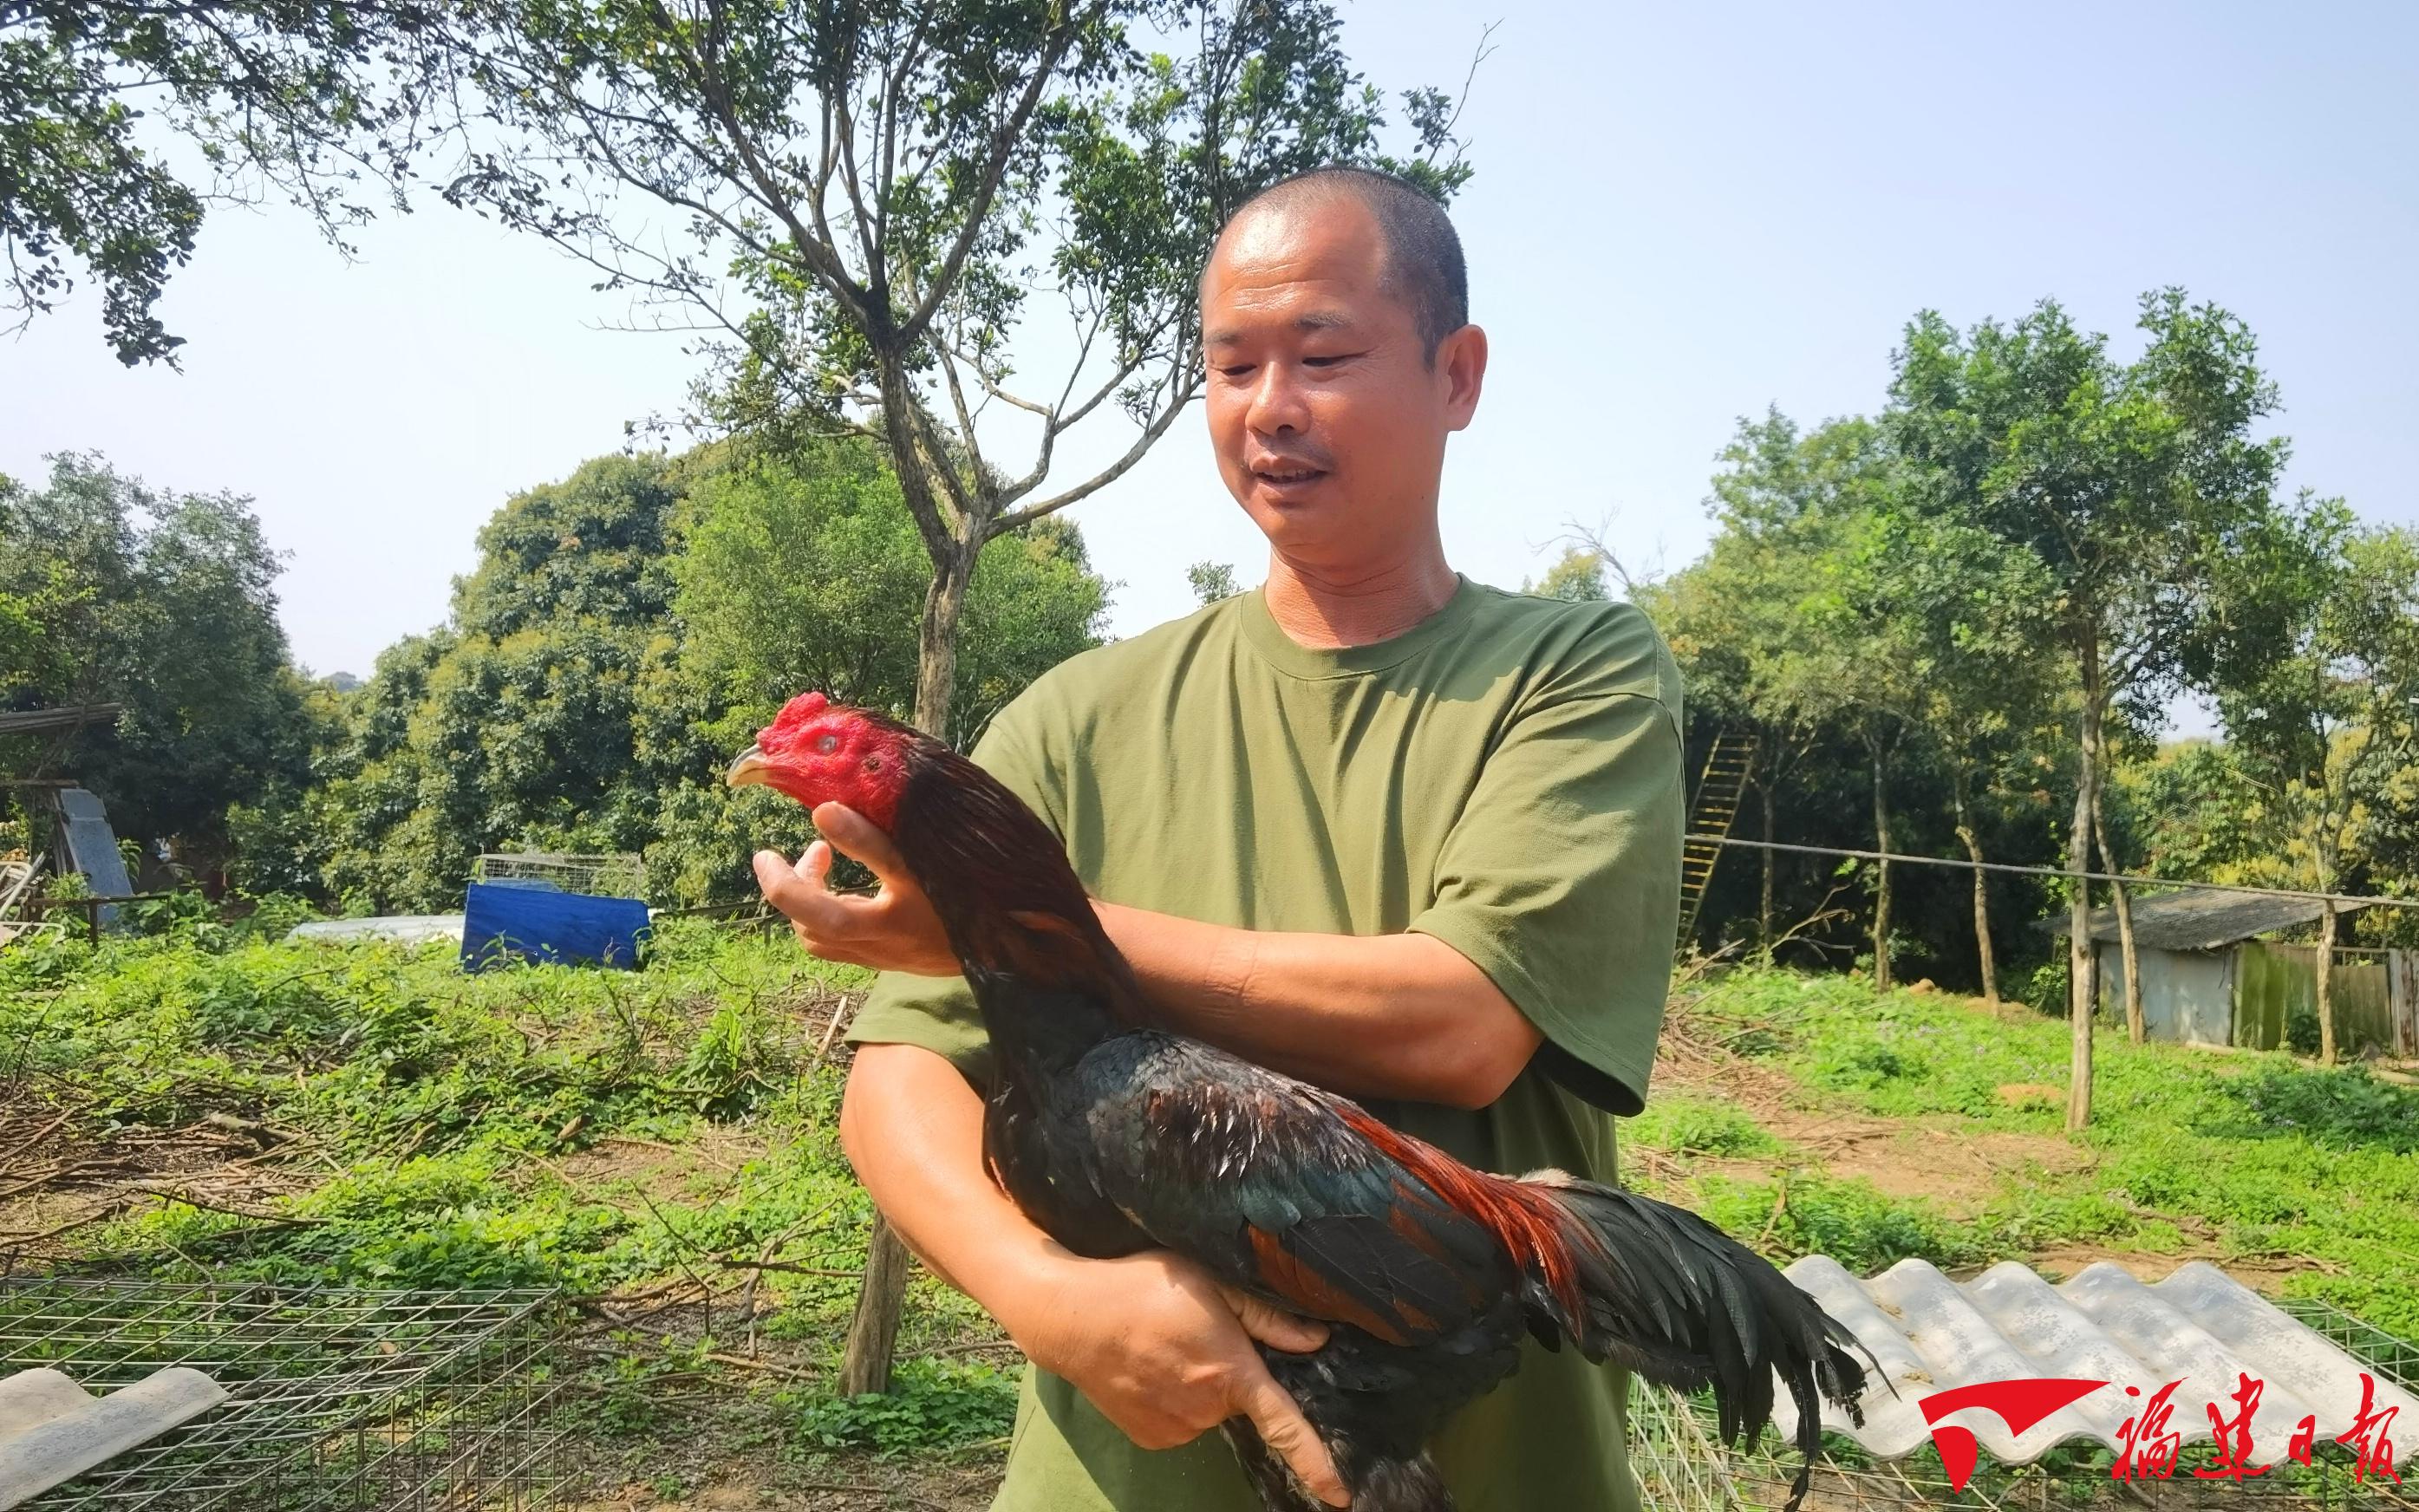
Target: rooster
{"x": 1114, "y": 1135}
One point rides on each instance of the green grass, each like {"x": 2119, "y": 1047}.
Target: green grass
{"x": 1693, "y": 1126}
{"x": 442, "y": 1130}
{"x": 599, "y": 1131}
{"x": 2280, "y": 1162}
{"x": 430, "y": 1113}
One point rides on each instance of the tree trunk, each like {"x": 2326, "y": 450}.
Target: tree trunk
{"x": 1983, "y": 953}
{"x": 2081, "y": 986}
{"x": 1764, "y": 905}
{"x": 2136, "y": 1032}
{"x": 873, "y": 1328}
{"x": 2326, "y": 985}
{"x": 936, "y": 640}
{"x": 1882, "y": 878}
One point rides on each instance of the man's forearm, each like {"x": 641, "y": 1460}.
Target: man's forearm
{"x": 1387, "y": 1015}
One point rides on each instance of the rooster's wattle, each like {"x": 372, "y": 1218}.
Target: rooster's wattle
{"x": 1114, "y": 1136}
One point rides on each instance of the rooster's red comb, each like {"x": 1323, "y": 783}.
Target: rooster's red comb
{"x": 799, "y": 710}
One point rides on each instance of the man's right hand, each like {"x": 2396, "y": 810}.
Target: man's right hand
{"x": 1166, "y": 1353}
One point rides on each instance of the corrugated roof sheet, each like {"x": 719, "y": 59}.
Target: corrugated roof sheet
{"x": 2200, "y": 919}
{"x": 53, "y": 1430}
{"x": 1931, "y": 1334}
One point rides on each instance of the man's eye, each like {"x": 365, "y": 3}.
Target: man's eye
{"x": 1235, "y": 370}
{"x": 1328, "y": 359}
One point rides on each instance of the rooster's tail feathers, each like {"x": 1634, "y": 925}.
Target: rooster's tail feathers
{"x": 1685, "y": 1306}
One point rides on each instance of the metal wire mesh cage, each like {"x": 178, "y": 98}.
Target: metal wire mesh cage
{"x": 340, "y": 1400}
{"x": 617, "y": 875}
{"x": 1682, "y": 1466}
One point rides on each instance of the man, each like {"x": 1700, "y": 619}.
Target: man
{"x": 1374, "y": 824}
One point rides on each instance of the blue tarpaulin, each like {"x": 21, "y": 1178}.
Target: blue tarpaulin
{"x": 500, "y": 921}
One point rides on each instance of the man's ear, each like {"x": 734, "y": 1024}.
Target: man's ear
{"x": 1461, "y": 367}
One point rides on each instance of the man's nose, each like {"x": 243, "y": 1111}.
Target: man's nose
{"x": 1278, "y": 405}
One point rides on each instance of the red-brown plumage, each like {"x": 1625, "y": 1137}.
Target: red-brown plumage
{"x": 1535, "y": 1229}
{"x": 1315, "y": 1296}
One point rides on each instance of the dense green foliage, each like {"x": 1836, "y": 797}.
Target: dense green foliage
{"x": 625, "y": 632}
{"x": 517, "y": 723}
{"x": 800, "y": 575}
{"x": 111, "y": 592}
{"x": 1937, "y": 626}
{"x": 316, "y": 100}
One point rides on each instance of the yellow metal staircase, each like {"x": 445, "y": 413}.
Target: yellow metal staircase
{"x": 1710, "y": 816}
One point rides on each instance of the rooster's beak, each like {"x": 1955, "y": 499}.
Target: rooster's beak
{"x": 751, "y": 770}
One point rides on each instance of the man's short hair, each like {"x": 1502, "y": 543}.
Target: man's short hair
{"x": 1424, "y": 264}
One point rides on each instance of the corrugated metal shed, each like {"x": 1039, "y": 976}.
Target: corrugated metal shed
{"x": 2201, "y": 919}
{"x": 1931, "y": 1334}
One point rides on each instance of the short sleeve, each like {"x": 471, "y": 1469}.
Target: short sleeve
{"x": 1561, "y": 876}
{"x": 938, "y": 1013}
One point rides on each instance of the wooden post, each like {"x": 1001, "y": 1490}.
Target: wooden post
{"x": 2326, "y": 963}
{"x": 92, "y": 907}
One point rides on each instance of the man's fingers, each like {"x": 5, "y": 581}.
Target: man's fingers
{"x": 773, "y": 875}
{"x": 1274, "y": 1326}
{"x": 801, "y": 892}
{"x": 1284, "y": 1430}
{"x": 854, "y": 835}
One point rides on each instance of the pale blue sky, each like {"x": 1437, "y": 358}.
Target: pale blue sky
{"x": 1682, "y": 213}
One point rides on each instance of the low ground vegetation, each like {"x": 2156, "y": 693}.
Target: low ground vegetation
{"x": 661, "y": 1146}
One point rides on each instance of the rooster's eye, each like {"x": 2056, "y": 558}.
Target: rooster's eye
{"x": 827, "y": 743}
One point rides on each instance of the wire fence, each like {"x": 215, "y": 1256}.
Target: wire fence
{"x": 340, "y": 1399}
{"x": 2054, "y": 872}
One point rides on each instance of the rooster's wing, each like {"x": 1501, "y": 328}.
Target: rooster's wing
{"x": 1268, "y": 1183}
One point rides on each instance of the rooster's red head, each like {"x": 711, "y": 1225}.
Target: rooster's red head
{"x": 818, "y": 752}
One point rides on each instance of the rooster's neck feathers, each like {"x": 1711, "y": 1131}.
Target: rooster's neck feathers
{"x": 1011, "y": 905}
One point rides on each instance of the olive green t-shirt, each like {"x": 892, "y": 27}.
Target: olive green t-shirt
{"x": 1504, "y": 777}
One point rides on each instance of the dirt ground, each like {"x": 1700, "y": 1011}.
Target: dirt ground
{"x": 60, "y": 1171}
{"x": 1958, "y": 1168}
{"x": 862, "y": 1484}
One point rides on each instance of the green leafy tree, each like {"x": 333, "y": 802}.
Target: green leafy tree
{"x": 320, "y": 102}
{"x": 2196, "y": 811}
{"x": 1710, "y": 616}
{"x": 2134, "y": 484}
{"x": 280, "y": 841}
{"x": 515, "y": 724}
{"x": 165, "y": 604}
{"x": 803, "y": 571}
{"x": 1954, "y": 619}
{"x": 1800, "y": 569}
{"x": 1211, "y": 581}
{"x": 893, "y": 183}
{"x": 1577, "y": 577}
{"x": 1730, "y": 616}
{"x": 2328, "y": 718}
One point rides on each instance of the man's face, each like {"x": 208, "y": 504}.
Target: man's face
{"x": 1328, "y": 420}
